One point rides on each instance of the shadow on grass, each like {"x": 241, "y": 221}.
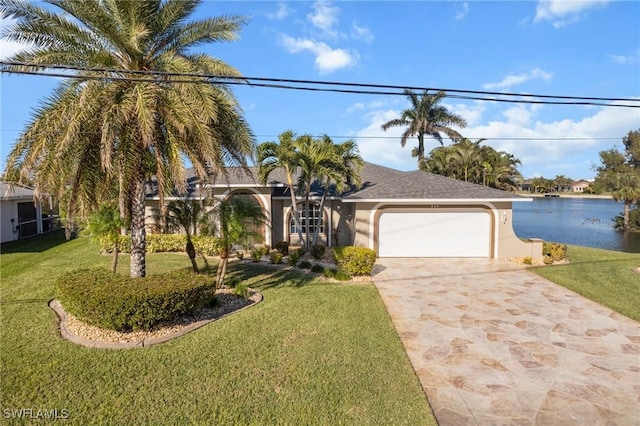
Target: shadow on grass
{"x": 22, "y": 301}
{"x": 264, "y": 277}
{"x": 37, "y": 244}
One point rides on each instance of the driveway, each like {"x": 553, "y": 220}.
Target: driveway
{"x": 493, "y": 343}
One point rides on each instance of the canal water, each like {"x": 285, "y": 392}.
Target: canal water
{"x": 579, "y": 221}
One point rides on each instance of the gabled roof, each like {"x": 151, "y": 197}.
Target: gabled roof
{"x": 12, "y": 191}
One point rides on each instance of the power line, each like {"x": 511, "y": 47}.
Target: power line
{"x": 160, "y": 77}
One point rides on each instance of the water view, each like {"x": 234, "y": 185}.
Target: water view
{"x": 580, "y": 221}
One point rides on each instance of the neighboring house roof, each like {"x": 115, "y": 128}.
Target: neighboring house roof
{"x": 581, "y": 182}
{"x": 378, "y": 183}
{"x": 12, "y": 191}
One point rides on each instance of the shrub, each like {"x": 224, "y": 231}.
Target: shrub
{"x": 317, "y": 251}
{"x": 207, "y": 244}
{"x": 329, "y": 272}
{"x": 275, "y": 258}
{"x": 256, "y": 254}
{"x": 240, "y": 254}
{"x": 304, "y": 265}
{"x": 527, "y": 260}
{"x": 241, "y": 290}
{"x": 355, "y": 260}
{"x": 548, "y": 260}
{"x": 317, "y": 268}
{"x": 162, "y": 243}
{"x": 282, "y": 247}
{"x": 556, "y": 251}
{"x": 121, "y": 303}
{"x": 342, "y": 276}
{"x": 294, "y": 257}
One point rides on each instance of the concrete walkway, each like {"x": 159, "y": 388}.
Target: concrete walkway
{"x": 495, "y": 344}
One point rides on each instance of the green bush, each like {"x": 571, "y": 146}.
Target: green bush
{"x": 342, "y": 276}
{"x": 317, "y": 251}
{"x": 121, "y": 303}
{"x": 294, "y": 257}
{"x": 163, "y": 243}
{"x": 556, "y": 251}
{"x": 329, "y": 272}
{"x": 241, "y": 290}
{"x": 304, "y": 265}
{"x": 317, "y": 268}
{"x": 240, "y": 254}
{"x": 355, "y": 260}
{"x": 548, "y": 260}
{"x": 282, "y": 247}
{"x": 275, "y": 258}
{"x": 527, "y": 260}
{"x": 256, "y": 254}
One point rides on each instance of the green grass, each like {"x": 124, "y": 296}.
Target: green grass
{"x": 603, "y": 276}
{"x": 310, "y": 353}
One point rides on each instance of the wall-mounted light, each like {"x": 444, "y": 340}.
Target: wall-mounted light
{"x": 504, "y": 217}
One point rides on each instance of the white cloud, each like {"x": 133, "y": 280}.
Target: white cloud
{"x": 512, "y": 80}
{"x": 548, "y": 148}
{"x": 361, "y": 33}
{"x": 282, "y": 12}
{"x": 327, "y": 59}
{"x": 462, "y": 11}
{"x": 360, "y": 106}
{"x": 8, "y": 48}
{"x": 563, "y": 12}
{"x": 626, "y": 59}
{"x": 325, "y": 17}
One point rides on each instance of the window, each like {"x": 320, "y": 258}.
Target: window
{"x": 315, "y": 219}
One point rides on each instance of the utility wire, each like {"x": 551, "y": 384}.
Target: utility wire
{"x": 161, "y": 78}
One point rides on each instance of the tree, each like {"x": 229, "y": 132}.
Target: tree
{"x": 467, "y": 155}
{"x": 342, "y": 172}
{"x": 102, "y": 127}
{"x": 104, "y": 224}
{"x": 281, "y": 155}
{"x": 185, "y": 215}
{"x": 426, "y": 117}
{"x": 619, "y": 173}
{"x": 238, "y": 218}
{"x": 562, "y": 183}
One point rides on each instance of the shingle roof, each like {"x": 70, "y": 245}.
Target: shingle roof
{"x": 10, "y": 191}
{"x": 378, "y": 183}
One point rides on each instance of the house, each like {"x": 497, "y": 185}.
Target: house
{"x": 580, "y": 185}
{"x": 20, "y": 215}
{"x": 395, "y": 213}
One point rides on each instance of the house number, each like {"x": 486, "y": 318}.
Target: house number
{"x": 434, "y": 206}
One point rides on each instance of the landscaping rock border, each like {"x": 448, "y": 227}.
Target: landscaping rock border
{"x": 90, "y": 336}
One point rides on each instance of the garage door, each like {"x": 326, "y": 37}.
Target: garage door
{"x": 434, "y": 234}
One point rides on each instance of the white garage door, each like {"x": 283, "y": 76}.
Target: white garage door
{"x": 434, "y": 234}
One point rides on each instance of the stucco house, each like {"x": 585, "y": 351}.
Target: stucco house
{"x": 20, "y": 215}
{"x": 580, "y": 185}
{"x": 396, "y": 213}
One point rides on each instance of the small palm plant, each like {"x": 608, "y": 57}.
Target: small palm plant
{"x": 185, "y": 215}
{"x": 105, "y": 224}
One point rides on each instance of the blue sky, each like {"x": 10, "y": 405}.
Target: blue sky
{"x": 572, "y": 48}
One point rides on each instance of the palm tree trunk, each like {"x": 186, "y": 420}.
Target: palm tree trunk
{"x": 138, "y": 231}
{"x": 308, "y": 219}
{"x": 222, "y": 270}
{"x": 625, "y": 216}
{"x": 191, "y": 252}
{"x": 316, "y": 231}
{"x": 114, "y": 262}
{"x": 294, "y": 207}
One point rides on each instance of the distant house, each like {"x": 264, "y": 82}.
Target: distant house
{"x": 580, "y": 185}
{"x": 395, "y": 213}
{"x": 20, "y": 215}
{"x": 525, "y": 185}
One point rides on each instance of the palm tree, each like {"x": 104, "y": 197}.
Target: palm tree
{"x": 185, "y": 215}
{"x": 281, "y": 155}
{"x": 238, "y": 219}
{"x": 105, "y": 224}
{"x": 627, "y": 190}
{"x": 103, "y": 127}
{"x": 343, "y": 171}
{"x": 426, "y": 117}
{"x": 467, "y": 155}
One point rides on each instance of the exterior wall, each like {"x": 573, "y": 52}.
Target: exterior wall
{"x": 504, "y": 242}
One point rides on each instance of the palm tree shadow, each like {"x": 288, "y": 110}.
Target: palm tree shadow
{"x": 37, "y": 244}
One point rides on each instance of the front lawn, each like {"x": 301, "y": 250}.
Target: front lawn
{"x": 310, "y": 353}
{"x": 603, "y": 276}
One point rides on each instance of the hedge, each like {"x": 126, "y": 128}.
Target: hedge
{"x": 117, "y": 302}
{"x": 355, "y": 260}
{"x": 162, "y": 243}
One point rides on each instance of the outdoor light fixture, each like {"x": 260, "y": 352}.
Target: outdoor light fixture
{"x": 504, "y": 217}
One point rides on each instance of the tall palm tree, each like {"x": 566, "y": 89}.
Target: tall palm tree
{"x": 99, "y": 127}
{"x": 426, "y": 117}
{"x": 342, "y": 171}
{"x": 281, "y": 155}
{"x": 627, "y": 190}
{"x": 467, "y": 155}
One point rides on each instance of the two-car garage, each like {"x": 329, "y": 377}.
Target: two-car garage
{"x": 434, "y": 232}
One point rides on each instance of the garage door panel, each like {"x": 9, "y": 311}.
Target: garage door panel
{"x": 434, "y": 234}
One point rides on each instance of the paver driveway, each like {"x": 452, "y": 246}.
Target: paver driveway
{"x": 493, "y": 343}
